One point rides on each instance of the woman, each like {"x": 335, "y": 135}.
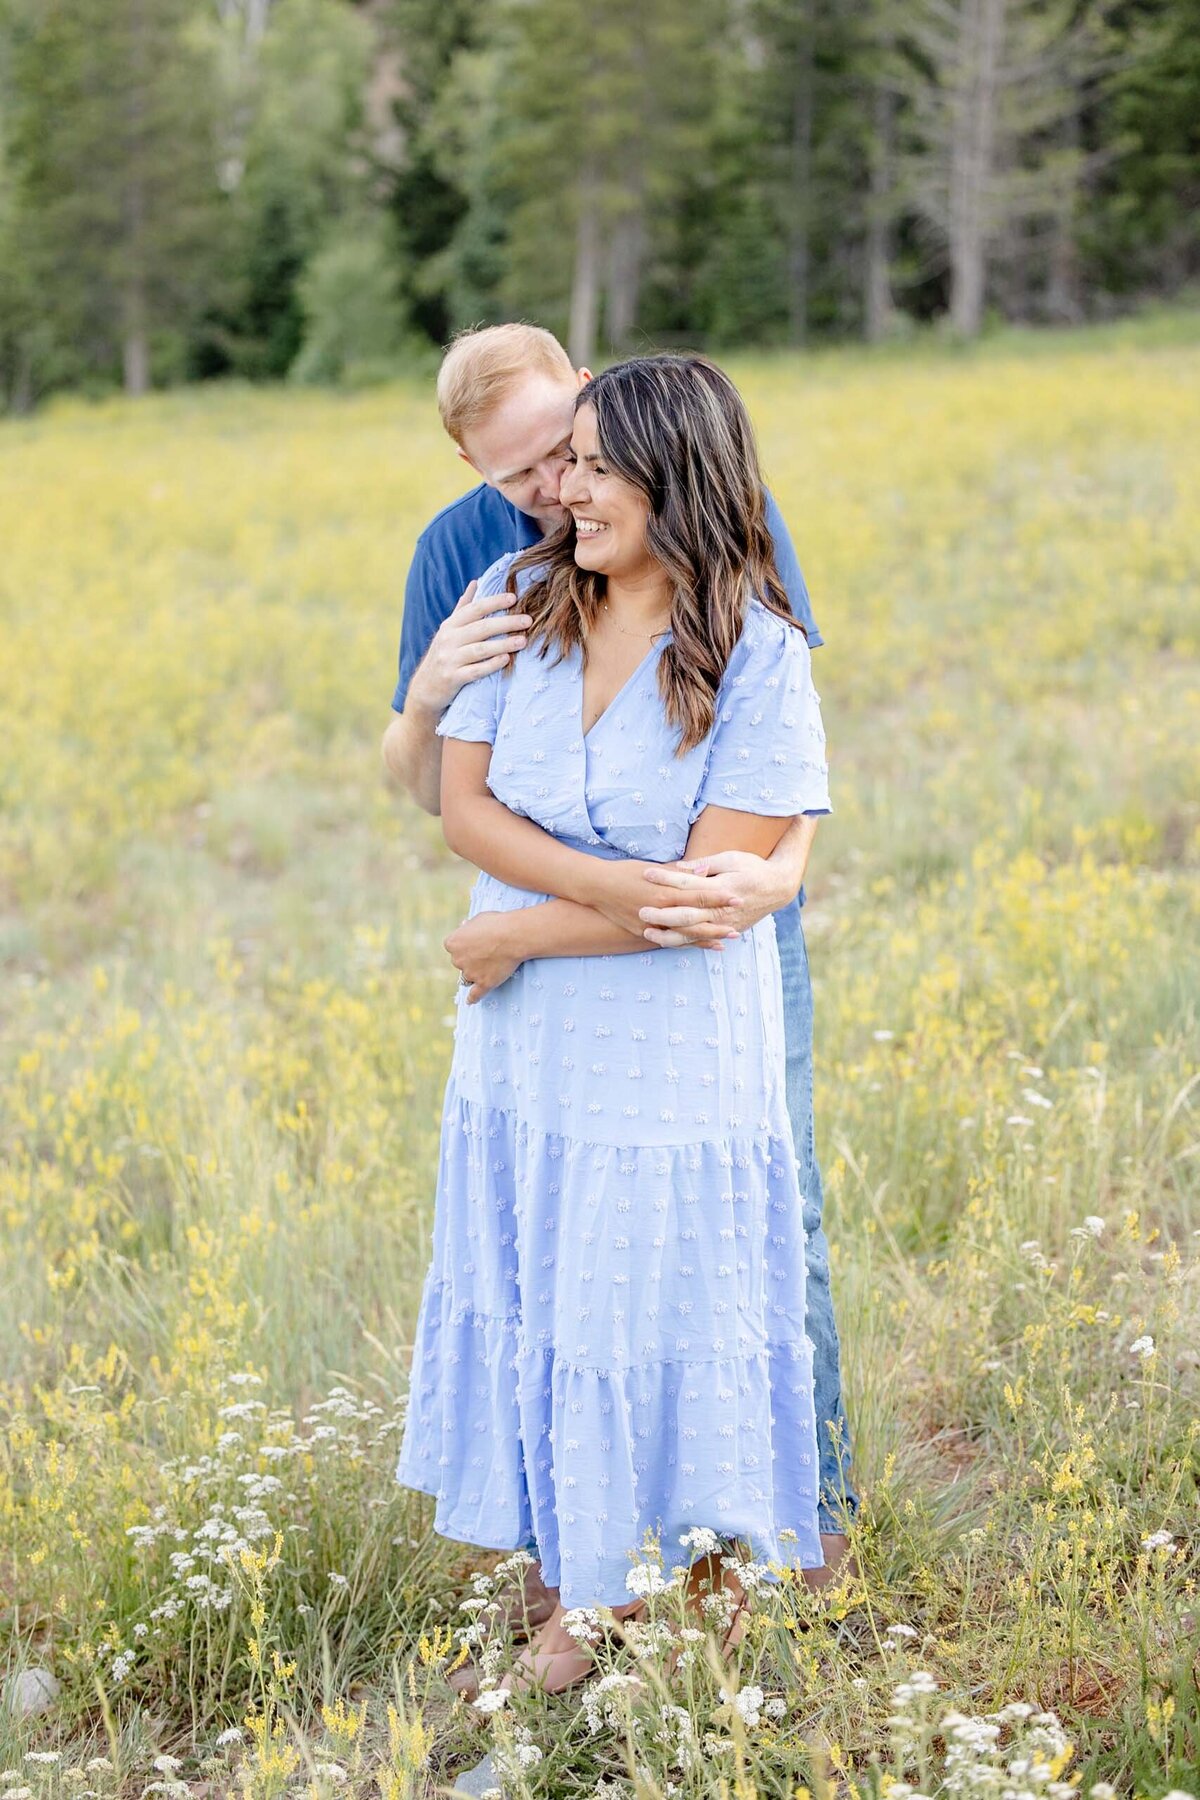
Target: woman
{"x": 611, "y": 1335}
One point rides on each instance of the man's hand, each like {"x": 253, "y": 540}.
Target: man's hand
{"x": 470, "y": 643}
{"x": 725, "y": 894}
{"x": 483, "y": 951}
{"x": 621, "y": 896}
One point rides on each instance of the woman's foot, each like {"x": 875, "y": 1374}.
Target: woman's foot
{"x": 554, "y": 1659}
{"x": 519, "y": 1613}
{"x": 707, "y": 1577}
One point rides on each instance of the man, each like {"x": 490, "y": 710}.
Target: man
{"x": 506, "y": 395}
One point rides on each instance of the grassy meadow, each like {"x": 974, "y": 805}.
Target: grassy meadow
{"x": 224, "y": 1032}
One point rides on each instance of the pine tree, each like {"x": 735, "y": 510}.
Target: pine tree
{"x": 112, "y": 153}
{"x": 987, "y": 86}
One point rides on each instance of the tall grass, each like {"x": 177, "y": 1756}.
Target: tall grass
{"x": 224, "y": 1024}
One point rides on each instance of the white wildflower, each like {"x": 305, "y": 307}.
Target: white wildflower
{"x": 645, "y": 1579}
{"x": 1143, "y": 1347}
{"x": 43, "y": 1756}
{"x": 1158, "y": 1540}
{"x": 920, "y": 1682}
{"x": 702, "y": 1539}
{"x": 747, "y": 1703}
{"x": 231, "y": 1735}
{"x": 1033, "y": 1098}
{"x": 491, "y": 1701}
{"x": 901, "y": 1631}
{"x": 583, "y": 1624}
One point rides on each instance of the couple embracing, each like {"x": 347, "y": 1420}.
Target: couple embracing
{"x": 626, "y": 1325}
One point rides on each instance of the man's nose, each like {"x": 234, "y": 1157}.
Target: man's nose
{"x": 550, "y": 476}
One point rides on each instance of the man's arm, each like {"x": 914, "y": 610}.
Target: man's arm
{"x": 437, "y": 655}
{"x": 487, "y": 948}
{"x": 731, "y": 887}
{"x": 787, "y": 565}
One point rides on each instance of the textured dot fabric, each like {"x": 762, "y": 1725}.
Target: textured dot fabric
{"x": 611, "y": 1336}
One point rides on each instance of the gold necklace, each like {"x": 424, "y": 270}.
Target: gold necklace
{"x": 650, "y": 636}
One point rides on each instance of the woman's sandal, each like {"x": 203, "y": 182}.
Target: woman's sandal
{"x": 556, "y": 1670}
{"x": 516, "y": 1615}
{"x": 733, "y": 1635}
{"x": 553, "y": 1671}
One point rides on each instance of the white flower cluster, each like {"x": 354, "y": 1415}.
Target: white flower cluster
{"x": 601, "y": 1701}
{"x": 583, "y": 1624}
{"x": 645, "y": 1579}
{"x": 976, "y": 1760}
{"x": 675, "y": 1736}
{"x": 747, "y": 1703}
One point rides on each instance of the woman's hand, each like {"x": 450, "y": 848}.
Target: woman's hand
{"x": 485, "y": 953}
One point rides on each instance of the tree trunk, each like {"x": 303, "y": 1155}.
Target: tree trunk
{"x": 877, "y": 298}
{"x": 971, "y": 159}
{"x": 21, "y": 398}
{"x": 585, "y": 279}
{"x": 625, "y": 276}
{"x": 135, "y": 347}
{"x": 1063, "y": 303}
{"x": 801, "y": 197}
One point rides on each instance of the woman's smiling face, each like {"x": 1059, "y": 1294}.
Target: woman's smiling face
{"x": 610, "y": 514}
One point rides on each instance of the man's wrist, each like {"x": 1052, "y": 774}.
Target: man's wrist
{"x": 420, "y": 707}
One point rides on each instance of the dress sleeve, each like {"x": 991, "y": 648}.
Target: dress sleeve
{"x": 767, "y": 750}
{"x": 474, "y": 713}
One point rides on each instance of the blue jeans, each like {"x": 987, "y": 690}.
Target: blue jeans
{"x": 837, "y": 1497}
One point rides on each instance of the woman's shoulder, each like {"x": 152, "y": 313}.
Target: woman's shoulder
{"x": 495, "y": 580}
{"x": 767, "y": 641}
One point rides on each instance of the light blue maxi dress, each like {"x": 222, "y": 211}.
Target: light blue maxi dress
{"x": 611, "y": 1336}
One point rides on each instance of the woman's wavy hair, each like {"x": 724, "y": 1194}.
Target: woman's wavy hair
{"x": 676, "y": 427}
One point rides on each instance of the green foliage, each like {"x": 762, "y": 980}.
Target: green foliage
{"x": 113, "y": 209}
{"x": 730, "y": 172}
{"x": 353, "y": 319}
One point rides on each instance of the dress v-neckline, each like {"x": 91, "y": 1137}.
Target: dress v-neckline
{"x": 624, "y": 688}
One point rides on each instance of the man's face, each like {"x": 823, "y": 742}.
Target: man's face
{"x": 521, "y": 448}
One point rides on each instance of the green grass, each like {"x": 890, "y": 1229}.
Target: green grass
{"x": 224, "y": 1031}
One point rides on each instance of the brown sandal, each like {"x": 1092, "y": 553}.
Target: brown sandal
{"x": 734, "y": 1631}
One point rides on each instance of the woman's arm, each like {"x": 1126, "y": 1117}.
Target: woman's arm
{"x": 564, "y": 928}
{"x": 487, "y": 948}
{"x": 480, "y": 828}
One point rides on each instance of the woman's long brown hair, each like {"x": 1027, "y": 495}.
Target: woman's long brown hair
{"x": 676, "y": 428}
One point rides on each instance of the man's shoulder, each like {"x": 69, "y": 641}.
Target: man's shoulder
{"x": 476, "y": 518}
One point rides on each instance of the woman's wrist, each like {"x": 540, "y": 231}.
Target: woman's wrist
{"x": 516, "y": 938}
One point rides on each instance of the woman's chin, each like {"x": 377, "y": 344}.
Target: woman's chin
{"x": 589, "y": 556}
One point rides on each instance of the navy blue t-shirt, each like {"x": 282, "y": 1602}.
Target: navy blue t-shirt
{"x": 468, "y": 536}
